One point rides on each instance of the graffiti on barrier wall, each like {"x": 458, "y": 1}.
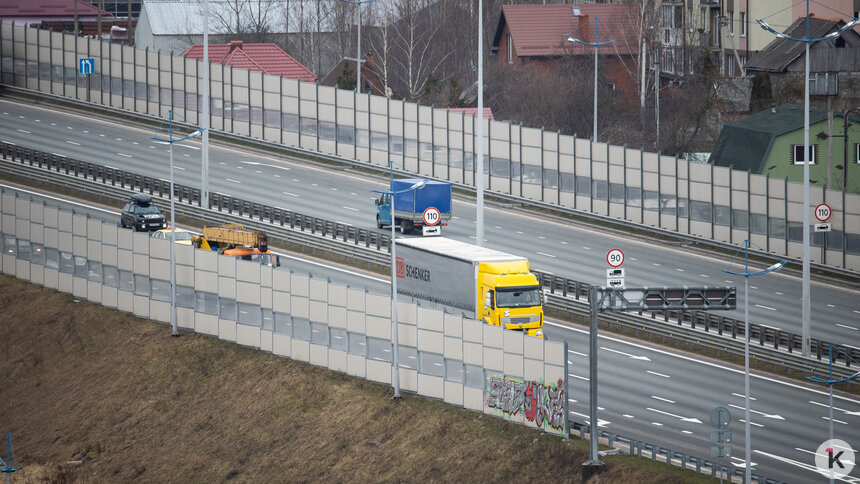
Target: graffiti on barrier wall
{"x": 541, "y": 404}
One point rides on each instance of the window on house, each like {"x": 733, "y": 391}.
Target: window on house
{"x": 797, "y": 154}
{"x": 857, "y": 153}
{"x": 730, "y": 65}
{"x": 510, "y": 49}
{"x": 743, "y": 24}
{"x": 731, "y": 23}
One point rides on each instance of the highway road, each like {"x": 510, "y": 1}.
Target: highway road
{"x": 573, "y": 250}
{"x": 660, "y": 396}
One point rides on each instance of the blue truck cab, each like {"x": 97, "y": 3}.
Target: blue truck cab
{"x": 424, "y": 209}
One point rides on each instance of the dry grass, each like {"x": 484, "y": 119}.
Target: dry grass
{"x": 117, "y": 393}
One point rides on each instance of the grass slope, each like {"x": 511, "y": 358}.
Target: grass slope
{"x": 124, "y": 401}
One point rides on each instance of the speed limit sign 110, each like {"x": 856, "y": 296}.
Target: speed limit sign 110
{"x": 615, "y": 257}
{"x": 822, "y": 212}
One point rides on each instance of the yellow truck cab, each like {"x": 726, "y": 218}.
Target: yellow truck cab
{"x": 486, "y": 284}
{"x": 511, "y": 296}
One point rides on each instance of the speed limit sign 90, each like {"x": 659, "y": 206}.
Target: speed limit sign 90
{"x": 615, "y": 257}
{"x": 431, "y": 216}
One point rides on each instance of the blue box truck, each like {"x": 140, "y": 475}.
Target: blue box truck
{"x": 425, "y": 209}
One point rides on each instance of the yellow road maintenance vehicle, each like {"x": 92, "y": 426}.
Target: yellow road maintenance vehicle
{"x": 235, "y": 240}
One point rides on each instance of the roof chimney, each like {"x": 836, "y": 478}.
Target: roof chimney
{"x": 235, "y": 44}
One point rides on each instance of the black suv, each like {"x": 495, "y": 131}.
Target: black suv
{"x": 141, "y": 214}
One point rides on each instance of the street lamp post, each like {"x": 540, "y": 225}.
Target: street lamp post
{"x": 576, "y": 13}
{"x": 478, "y": 146}
{"x": 394, "y": 334}
{"x": 746, "y": 273}
{"x": 805, "y": 297}
{"x": 170, "y": 140}
{"x": 358, "y": 4}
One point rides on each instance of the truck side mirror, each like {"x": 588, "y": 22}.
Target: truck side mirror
{"x": 488, "y": 299}
{"x": 277, "y": 261}
{"x": 376, "y": 201}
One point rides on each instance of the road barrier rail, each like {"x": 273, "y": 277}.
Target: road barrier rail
{"x": 369, "y": 248}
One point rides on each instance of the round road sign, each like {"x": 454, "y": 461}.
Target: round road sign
{"x": 822, "y": 212}
{"x": 615, "y": 257}
{"x": 431, "y": 216}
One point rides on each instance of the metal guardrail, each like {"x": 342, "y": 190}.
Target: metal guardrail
{"x": 564, "y": 296}
{"x": 670, "y": 456}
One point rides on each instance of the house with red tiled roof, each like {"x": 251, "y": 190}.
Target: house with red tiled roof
{"x": 268, "y": 58}
{"x": 370, "y": 79}
{"x": 33, "y": 12}
{"x": 488, "y": 113}
{"x": 536, "y": 35}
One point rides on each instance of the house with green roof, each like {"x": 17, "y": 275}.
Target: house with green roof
{"x": 770, "y": 143}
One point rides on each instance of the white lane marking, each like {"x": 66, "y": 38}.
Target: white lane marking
{"x": 277, "y": 176}
{"x": 586, "y": 248}
{"x": 778, "y": 293}
{"x": 20, "y": 117}
{"x": 190, "y": 147}
{"x": 848, "y": 479}
{"x": 157, "y": 142}
{"x": 600, "y": 423}
{"x": 87, "y": 131}
{"x": 577, "y": 353}
{"x": 125, "y": 155}
{"x": 751, "y": 423}
{"x": 657, "y": 424}
{"x": 683, "y": 419}
{"x": 765, "y": 415}
{"x": 644, "y": 358}
{"x": 846, "y": 412}
{"x": 835, "y": 420}
{"x": 101, "y": 135}
{"x": 73, "y": 143}
{"x": 632, "y": 258}
{"x": 498, "y": 228}
{"x": 655, "y": 264}
{"x": 847, "y": 327}
{"x": 38, "y": 120}
{"x": 186, "y": 154}
{"x": 179, "y": 168}
{"x": 256, "y": 171}
{"x": 627, "y": 416}
{"x": 57, "y": 154}
{"x": 520, "y": 232}
{"x": 728, "y": 281}
{"x": 686, "y": 432}
{"x": 655, "y": 397}
{"x": 741, "y": 395}
{"x": 804, "y": 450}
{"x": 579, "y": 377}
{"x": 562, "y": 242}
{"x": 753, "y": 287}
{"x": 742, "y": 462}
{"x": 9, "y": 143}
{"x": 541, "y": 237}
{"x": 313, "y": 184}
{"x": 350, "y": 208}
{"x": 333, "y": 189}
{"x": 240, "y": 168}
{"x": 657, "y": 374}
{"x": 69, "y": 127}
{"x": 24, "y": 131}
{"x": 765, "y": 307}
{"x": 703, "y": 362}
{"x": 119, "y": 139}
{"x": 135, "y": 143}
{"x": 546, "y": 255}
{"x": 295, "y": 179}
{"x": 53, "y": 124}
{"x": 232, "y": 180}
{"x": 353, "y": 194}
{"x": 831, "y": 306}
{"x": 704, "y": 275}
{"x": 858, "y": 312}
{"x": 679, "y": 270}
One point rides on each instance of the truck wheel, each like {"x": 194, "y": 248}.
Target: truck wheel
{"x": 405, "y": 226}
{"x": 378, "y": 222}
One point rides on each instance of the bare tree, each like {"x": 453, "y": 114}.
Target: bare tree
{"x": 414, "y": 36}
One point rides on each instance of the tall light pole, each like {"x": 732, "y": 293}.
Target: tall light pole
{"x": 395, "y": 357}
{"x": 170, "y": 140}
{"x": 746, "y": 273}
{"x": 358, "y": 4}
{"x": 204, "y": 172}
{"x": 479, "y": 134}
{"x": 576, "y": 14}
{"x": 805, "y": 298}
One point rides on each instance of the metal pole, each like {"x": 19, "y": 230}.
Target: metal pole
{"x": 204, "y": 172}
{"x": 805, "y": 296}
{"x": 479, "y": 137}
{"x": 358, "y": 52}
{"x": 566, "y": 394}
{"x": 175, "y": 331}
{"x": 592, "y": 375}
{"x": 394, "y": 339}
{"x": 830, "y": 384}
{"x": 594, "y": 139}
{"x": 747, "y": 442}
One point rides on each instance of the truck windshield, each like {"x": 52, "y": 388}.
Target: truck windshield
{"x": 517, "y": 297}
{"x": 264, "y": 259}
